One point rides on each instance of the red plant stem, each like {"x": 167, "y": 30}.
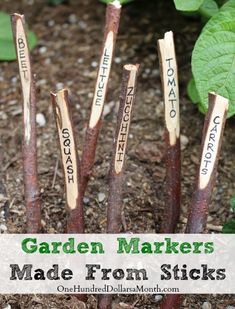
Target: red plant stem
{"x": 32, "y": 198}
{"x": 169, "y": 78}
{"x": 70, "y": 160}
{"x": 211, "y": 146}
{"x": 210, "y": 151}
{"x": 116, "y": 182}
{"x": 92, "y": 132}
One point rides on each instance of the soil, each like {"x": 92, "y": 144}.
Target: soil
{"x": 67, "y": 55}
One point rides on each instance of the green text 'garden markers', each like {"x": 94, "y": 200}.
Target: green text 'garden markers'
{"x": 32, "y": 199}
{"x": 169, "y": 77}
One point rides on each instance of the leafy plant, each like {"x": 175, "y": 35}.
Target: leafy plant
{"x": 229, "y": 227}
{"x": 189, "y": 5}
{"x": 7, "y": 48}
{"x": 213, "y": 58}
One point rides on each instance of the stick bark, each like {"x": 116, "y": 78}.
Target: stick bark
{"x": 116, "y": 176}
{"x": 169, "y": 77}
{"x": 113, "y": 12}
{"x": 31, "y": 191}
{"x": 70, "y": 160}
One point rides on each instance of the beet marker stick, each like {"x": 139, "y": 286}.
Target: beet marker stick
{"x": 31, "y": 191}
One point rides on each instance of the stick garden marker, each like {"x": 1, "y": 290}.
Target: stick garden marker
{"x": 33, "y": 203}
{"x": 211, "y": 145}
{"x": 169, "y": 78}
{"x": 88, "y": 156}
{"x": 70, "y": 161}
{"x": 116, "y": 183}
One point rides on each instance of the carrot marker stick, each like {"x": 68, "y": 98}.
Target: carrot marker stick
{"x": 210, "y": 152}
{"x": 32, "y": 198}
{"x": 169, "y": 76}
{"x": 116, "y": 182}
{"x": 211, "y": 145}
{"x": 111, "y": 28}
{"x": 70, "y": 161}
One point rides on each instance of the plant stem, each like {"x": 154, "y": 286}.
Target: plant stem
{"x": 116, "y": 182}
{"x": 70, "y": 160}
{"x": 113, "y": 11}
{"x": 32, "y": 198}
{"x": 210, "y": 151}
{"x": 169, "y": 78}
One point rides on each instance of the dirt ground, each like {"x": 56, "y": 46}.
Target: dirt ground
{"x": 67, "y": 55}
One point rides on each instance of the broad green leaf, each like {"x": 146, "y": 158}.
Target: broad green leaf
{"x": 229, "y": 228}
{"x": 7, "y": 47}
{"x": 208, "y": 8}
{"x": 121, "y": 1}
{"x": 188, "y": 5}
{"x": 213, "y": 59}
{"x": 232, "y": 203}
{"x": 192, "y": 91}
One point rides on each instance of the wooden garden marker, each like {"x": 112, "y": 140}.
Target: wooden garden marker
{"x": 211, "y": 145}
{"x": 116, "y": 182}
{"x": 32, "y": 198}
{"x": 111, "y": 28}
{"x": 169, "y": 78}
{"x": 70, "y": 161}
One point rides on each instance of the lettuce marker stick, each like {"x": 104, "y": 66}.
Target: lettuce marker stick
{"x": 31, "y": 191}
{"x": 113, "y": 11}
{"x": 70, "y": 161}
{"x": 169, "y": 76}
{"x": 116, "y": 182}
{"x": 210, "y": 151}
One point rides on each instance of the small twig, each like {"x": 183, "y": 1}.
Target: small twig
{"x": 169, "y": 76}
{"x": 116, "y": 182}
{"x": 210, "y": 152}
{"x": 33, "y": 202}
{"x": 70, "y": 161}
{"x": 55, "y": 173}
{"x": 88, "y": 156}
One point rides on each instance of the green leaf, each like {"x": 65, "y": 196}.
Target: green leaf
{"x": 213, "y": 59}
{"x": 208, "y": 8}
{"x": 229, "y": 228}
{"x": 122, "y": 2}
{"x": 232, "y": 203}
{"x": 188, "y": 5}
{"x": 192, "y": 91}
{"x": 7, "y": 47}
